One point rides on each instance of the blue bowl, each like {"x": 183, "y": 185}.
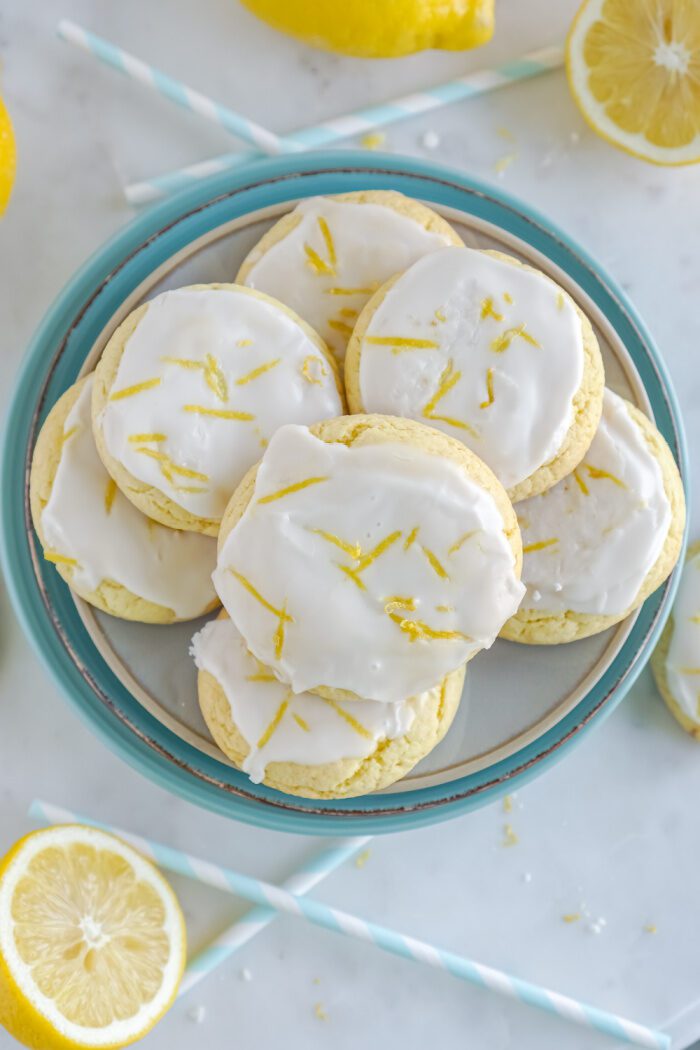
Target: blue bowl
{"x": 55, "y": 358}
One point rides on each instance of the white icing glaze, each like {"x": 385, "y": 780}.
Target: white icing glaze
{"x": 243, "y": 334}
{"x": 311, "y": 731}
{"x": 339, "y": 631}
{"x": 609, "y": 530}
{"x": 371, "y": 243}
{"x": 683, "y": 660}
{"x": 89, "y": 520}
{"x": 513, "y": 407}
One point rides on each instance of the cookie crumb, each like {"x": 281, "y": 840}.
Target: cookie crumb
{"x": 373, "y": 140}
{"x": 509, "y": 836}
{"x": 508, "y": 804}
{"x": 430, "y": 140}
{"x": 572, "y": 916}
{"x": 245, "y": 974}
{"x": 650, "y": 927}
{"x": 197, "y": 1014}
{"x": 316, "y": 980}
{"x": 362, "y": 858}
{"x": 502, "y": 165}
{"x": 505, "y": 134}
{"x": 319, "y": 1013}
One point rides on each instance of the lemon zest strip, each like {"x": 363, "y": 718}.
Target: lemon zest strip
{"x": 367, "y": 559}
{"x": 488, "y": 309}
{"x": 352, "y": 574}
{"x": 489, "y": 389}
{"x": 279, "y": 715}
{"x": 219, "y": 413}
{"x": 260, "y": 370}
{"x": 540, "y": 545}
{"x": 306, "y": 366}
{"x": 581, "y": 483}
{"x": 340, "y": 326}
{"x": 328, "y": 238}
{"x": 68, "y": 434}
{"x": 301, "y": 723}
{"x": 110, "y": 493}
{"x": 296, "y": 487}
{"x": 410, "y": 539}
{"x": 184, "y": 472}
{"x": 60, "y": 559}
{"x": 316, "y": 263}
{"x": 434, "y": 563}
{"x": 503, "y": 341}
{"x": 417, "y": 629}
{"x": 143, "y": 439}
{"x": 245, "y": 582}
{"x": 462, "y": 540}
{"x": 399, "y": 343}
{"x": 137, "y": 388}
{"x": 352, "y": 291}
{"x": 350, "y": 719}
{"x": 354, "y": 550}
{"x": 597, "y": 473}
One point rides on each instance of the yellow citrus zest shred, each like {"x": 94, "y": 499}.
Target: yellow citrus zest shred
{"x": 296, "y": 487}
{"x": 137, "y": 388}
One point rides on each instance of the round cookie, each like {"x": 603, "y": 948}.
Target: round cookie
{"x": 488, "y": 350}
{"x": 601, "y": 541}
{"x": 368, "y": 557}
{"x": 303, "y": 744}
{"x": 675, "y": 662}
{"x": 107, "y": 551}
{"x": 190, "y": 388}
{"x": 327, "y": 256}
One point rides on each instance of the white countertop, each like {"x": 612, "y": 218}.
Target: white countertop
{"x": 612, "y": 831}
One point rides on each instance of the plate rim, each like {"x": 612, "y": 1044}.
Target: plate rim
{"x": 151, "y": 756}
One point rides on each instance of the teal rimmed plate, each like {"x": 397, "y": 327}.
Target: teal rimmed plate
{"x": 523, "y": 707}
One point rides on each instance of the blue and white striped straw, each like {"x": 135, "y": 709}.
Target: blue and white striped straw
{"x": 329, "y": 131}
{"x": 254, "y": 134}
{"x": 250, "y": 925}
{"x": 267, "y": 895}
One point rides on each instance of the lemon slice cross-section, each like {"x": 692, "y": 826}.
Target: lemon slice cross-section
{"x": 634, "y": 71}
{"x": 92, "y": 941}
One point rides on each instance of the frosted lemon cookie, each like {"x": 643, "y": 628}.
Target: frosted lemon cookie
{"x": 368, "y": 557}
{"x": 302, "y": 743}
{"x": 676, "y": 659}
{"x": 601, "y": 541}
{"x": 327, "y": 257}
{"x": 105, "y": 550}
{"x": 191, "y": 387}
{"x": 491, "y": 352}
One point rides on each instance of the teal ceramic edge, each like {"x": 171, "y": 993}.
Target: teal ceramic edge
{"x": 150, "y": 239}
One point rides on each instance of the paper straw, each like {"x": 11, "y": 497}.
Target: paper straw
{"x": 254, "y": 134}
{"x": 266, "y": 894}
{"x": 530, "y": 65}
{"x": 242, "y": 931}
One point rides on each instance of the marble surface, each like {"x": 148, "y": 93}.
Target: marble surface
{"x": 611, "y": 833}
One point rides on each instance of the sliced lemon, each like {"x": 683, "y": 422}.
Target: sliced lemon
{"x": 92, "y": 941}
{"x": 8, "y": 157}
{"x": 634, "y": 71}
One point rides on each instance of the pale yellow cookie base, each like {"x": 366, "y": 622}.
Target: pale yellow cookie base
{"x": 412, "y": 209}
{"x": 349, "y": 777}
{"x": 534, "y": 627}
{"x": 362, "y": 430}
{"x": 152, "y": 501}
{"x": 587, "y": 403}
{"x": 110, "y": 597}
{"x": 658, "y": 668}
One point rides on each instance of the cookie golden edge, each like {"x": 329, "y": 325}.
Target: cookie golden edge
{"x": 658, "y": 668}
{"x": 150, "y": 500}
{"x": 406, "y": 206}
{"x": 110, "y": 597}
{"x": 535, "y": 627}
{"x": 348, "y": 777}
{"x": 362, "y": 430}
{"x": 587, "y": 401}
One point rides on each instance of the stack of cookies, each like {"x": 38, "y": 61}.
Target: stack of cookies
{"x": 484, "y": 483}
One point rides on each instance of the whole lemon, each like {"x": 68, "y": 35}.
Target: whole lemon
{"x": 8, "y": 157}
{"x": 381, "y": 28}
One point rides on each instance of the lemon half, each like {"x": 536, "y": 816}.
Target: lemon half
{"x": 634, "y": 71}
{"x": 381, "y": 28}
{"x": 92, "y": 941}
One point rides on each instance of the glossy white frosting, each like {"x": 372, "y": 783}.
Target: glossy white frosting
{"x": 602, "y": 528}
{"x": 212, "y": 422}
{"x": 376, "y": 568}
{"x": 683, "y": 660}
{"x": 489, "y": 352}
{"x": 370, "y": 243}
{"x": 90, "y": 522}
{"x": 280, "y": 726}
